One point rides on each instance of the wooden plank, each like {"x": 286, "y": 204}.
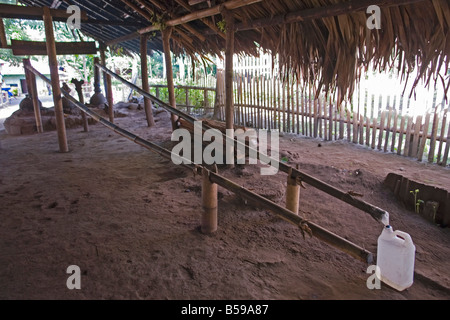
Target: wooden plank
{"x": 423, "y": 139}
{"x": 303, "y": 102}
{"x": 409, "y": 127}
{"x": 433, "y": 136}
{"x": 400, "y": 135}
{"x": 311, "y": 107}
{"x": 381, "y": 134}
{"x": 388, "y": 129}
{"x": 298, "y": 108}
{"x": 331, "y": 114}
{"x": 39, "y": 48}
{"x": 394, "y": 131}
{"x": 35, "y": 13}
{"x": 341, "y": 122}
{"x": 325, "y": 118}
{"x": 415, "y": 145}
{"x": 441, "y": 139}
{"x": 316, "y": 118}
{"x": 348, "y": 125}
{"x": 279, "y": 105}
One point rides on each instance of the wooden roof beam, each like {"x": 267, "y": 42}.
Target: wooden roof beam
{"x": 206, "y": 21}
{"x": 33, "y": 13}
{"x": 186, "y": 26}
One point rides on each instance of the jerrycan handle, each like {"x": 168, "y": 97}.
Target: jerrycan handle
{"x": 404, "y": 235}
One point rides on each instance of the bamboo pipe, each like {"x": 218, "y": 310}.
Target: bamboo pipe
{"x": 53, "y": 64}
{"x": 209, "y": 203}
{"x": 292, "y": 194}
{"x": 317, "y": 231}
{"x": 145, "y": 85}
{"x": 34, "y": 96}
{"x": 378, "y": 214}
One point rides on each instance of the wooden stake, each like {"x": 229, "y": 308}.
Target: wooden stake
{"x": 400, "y": 136}
{"x": 53, "y": 64}
{"x": 145, "y": 85}
{"x": 423, "y": 139}
{"x": 166, "y": 34}
{"x": 433, "y": 137}
{"x": 34, "y": 96}
{"x": 292, "y": 194}
{"x": 209, "y": 203}
{"x": 415, "y": 145}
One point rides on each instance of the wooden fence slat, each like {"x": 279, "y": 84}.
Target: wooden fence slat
{"x": 441, "y": 140}
{"x": 348, "y": 125}
{"x": 394, "y": 130}
{"x": 361, "y": 129}
{"x": 381, "y": 134}
{"x": 424, "y": 138}
{"x": 433, "y": 136}
{"x": 330, "y": 124}
{"x": 447, "y": 148}
{"x": 367, "y": 132}
{"x": 388, "y": 129}
{"x": 341, "y": 123}
{"x": 355, "y": 127}
{"x": 400, "y": 136}
{"x": 409, "y": 128}
{"x": 374, "y": 132}
{"x": 415, "y": 144}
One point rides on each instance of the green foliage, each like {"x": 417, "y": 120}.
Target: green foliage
{"x": 417, "y": 201}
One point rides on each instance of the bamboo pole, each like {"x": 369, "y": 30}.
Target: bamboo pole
{"x": 388, "y": 129}
{"x": 108, "y": 86}
{"x": 209, "y": 203}
{"x": 355, "y": 127}
{"x": 166, "y": 34}
{"x": 361, "y": 129}
{"x": 367, "y": 132}
{"x": 79, "y": 89}
{"x": 381, "y": 134}
{"x": 34, "y": 96}
{"x": 53, "y": 64}
{"x": 145, "y": 85}
{"x": 447, "y": 148}
{"x": 374, "y": 132}
{"x": 229, "y": 104}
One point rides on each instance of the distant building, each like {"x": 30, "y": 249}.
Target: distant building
{"x": 14, "y": 77}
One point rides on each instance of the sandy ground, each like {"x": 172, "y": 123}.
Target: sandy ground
{"x": 130, "y": 220}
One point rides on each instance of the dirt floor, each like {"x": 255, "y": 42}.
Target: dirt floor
{"x": 130, "y": 220}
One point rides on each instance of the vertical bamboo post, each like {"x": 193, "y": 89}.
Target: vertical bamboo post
{"x": 400, "y": 136}
{"x": 424, "y": 137}
{"x": 441, "y": 138}
{"x": 380, "y": 137}
{"x": 34, "y": 96}
{"x": 394, "y": 131}
{"x": 415, "y": 144}
{"x": 447, "y": 148}
{"x": 166, "y": 34}
{"x": 229, "y": 105}
{"x": 108, "y": 87}
{"x": 409, "y": 125}
{"x": 209, "y": 203}
{"x": 145, "y": 85}
{"x": 292, "y": 194}
{"x": 79, "y": 89}
{"x": 53, "y": 64}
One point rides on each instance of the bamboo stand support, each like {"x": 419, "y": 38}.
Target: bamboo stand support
{"x": 209, "y": 203}
{"x": 34, "y": 96}
{"x": 78, "y": 87}
{"x": 292, "y": 194}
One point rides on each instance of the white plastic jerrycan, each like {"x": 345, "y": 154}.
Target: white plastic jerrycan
{"x": 395, "y": 258}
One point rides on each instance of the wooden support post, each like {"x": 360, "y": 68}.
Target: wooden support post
{"x": 32, "y": 91}
{"x": 292, "y": 194}
{"x": 145, "y": 85}
{"x": 209, "y": 203}
{"x": 229, "y": 105}
{"x": 53, "y": 64}
{"x": 166, "y": 34}
{"x": 79, "y": 88}
{"x": 3, "y": 42}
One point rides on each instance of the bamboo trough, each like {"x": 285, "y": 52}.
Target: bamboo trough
{"x": 209, "y": 201}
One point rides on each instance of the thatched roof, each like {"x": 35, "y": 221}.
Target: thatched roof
{"x": 315, "y": 44}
